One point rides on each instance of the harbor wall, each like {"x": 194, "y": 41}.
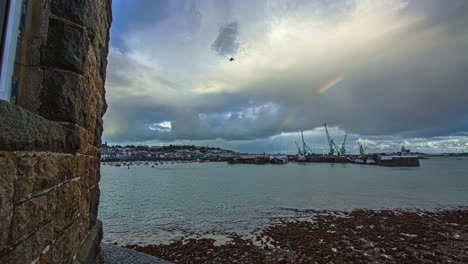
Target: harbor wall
{"x": 399, "y": 161}
{"x": 51, "y": 132}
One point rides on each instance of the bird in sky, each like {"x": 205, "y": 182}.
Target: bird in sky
{"x": 231, "y": 59}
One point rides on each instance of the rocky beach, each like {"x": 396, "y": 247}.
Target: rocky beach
{"x": 358, "y": 236}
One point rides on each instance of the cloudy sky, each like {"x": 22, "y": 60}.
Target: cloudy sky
{"x": 388, "y": 71}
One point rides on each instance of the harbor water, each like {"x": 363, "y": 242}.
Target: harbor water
{"x": 148, "y": 205}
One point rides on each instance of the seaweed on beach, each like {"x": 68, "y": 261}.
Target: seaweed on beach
{"x": 359, "y": 236}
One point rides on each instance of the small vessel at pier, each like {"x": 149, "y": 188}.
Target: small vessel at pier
{"x": 279, "y": 160}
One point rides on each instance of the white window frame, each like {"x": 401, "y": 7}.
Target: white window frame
{"x": 9, "y": 47}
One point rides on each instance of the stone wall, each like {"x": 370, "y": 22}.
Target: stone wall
{"x": 50, "y": 137}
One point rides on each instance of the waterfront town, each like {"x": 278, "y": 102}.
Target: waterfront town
{"x": 164, "y": 153}
{"x": 115, "y": 154}
{"x": 337, "y": 153}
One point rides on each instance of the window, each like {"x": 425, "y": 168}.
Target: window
{"x": 10, "y": 13}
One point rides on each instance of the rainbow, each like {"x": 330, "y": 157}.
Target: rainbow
{"x": 330, "y": 84}
{"x": 271, "y": 138}
{"x": 285, "y": 120}
{"x": 281, "y": 124}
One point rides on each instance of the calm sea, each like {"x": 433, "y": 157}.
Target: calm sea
{"x": 153, "y": 205}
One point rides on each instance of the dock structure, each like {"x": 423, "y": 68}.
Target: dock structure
{"x": 404, "y": 158}
{"x": 398, "y": 161}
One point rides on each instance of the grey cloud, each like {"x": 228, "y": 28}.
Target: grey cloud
{"x": 450, "y": 14}
{"x": 226, "y": 42}
{"x": 412, "y": 85}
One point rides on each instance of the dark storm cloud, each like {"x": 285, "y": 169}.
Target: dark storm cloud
{"x": 450, "y": 14}
{"x": 195, "y": 120}
{"x": 226, "y": 42}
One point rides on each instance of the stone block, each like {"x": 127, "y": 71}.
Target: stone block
{"x": 66, "y": 46}
{"x": 98, "y": 131}
{"x": 87, "y": 139}
{"x": 99, "y": 57}
{"x": 47, "y": 171}
{"x": 91, "y": 175}
{"x": 31, "y": 216}
{"x": 29, "y": 88}
{"x": 7, "y": 169}
{"x": 65, "y": 98}
{"x": 90, "y": 248}
{"x": 94, "y": 204}
{"x": 25, "y": 173}
{"x": 68, "y": 205}
{"x": 65, "y": 247}
{"x": 30, "y": 249}
{"x": 20, "y": 254}
{"x": 36, "y": 18}
{"x": 38, "y": 172}
{"x": 23, "y": 130}
{"x": 67, "y": 166}
{"x": 29, "y": 51}
{"x": 82, "y": 12}
{"x": 86, "y": 143}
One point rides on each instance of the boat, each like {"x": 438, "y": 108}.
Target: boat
{"x": 358, "y": 161}
{"x": 155, "y": 164}
{"x": 276, "y": 160}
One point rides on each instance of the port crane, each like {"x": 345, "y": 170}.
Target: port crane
{"x": 336, "y": 148}
{"x": 305, "y": 148}
{"x": 333, "y": 146}
{"x": 303, "y": 143}
{"x": 343, "y": 146}
{"x": 330, "y": 142}
{"x": 362, "y": 151}
{"x": 299, "y": 150}
{"x": 309, "y": 149}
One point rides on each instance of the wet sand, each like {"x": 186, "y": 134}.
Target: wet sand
{"x": 359, "y": 236}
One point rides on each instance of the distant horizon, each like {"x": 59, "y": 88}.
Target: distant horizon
{"x": 215, "y": 147}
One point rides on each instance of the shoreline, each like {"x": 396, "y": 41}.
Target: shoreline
{"x": 360, "y": 235}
